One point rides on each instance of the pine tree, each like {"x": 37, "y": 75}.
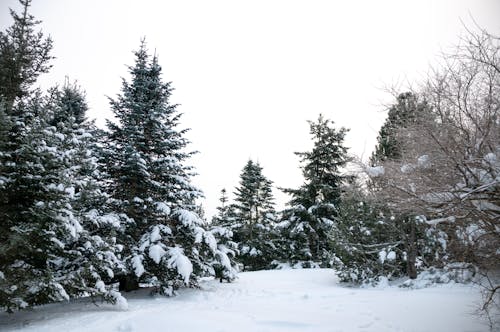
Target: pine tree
{"x": 314, "y": 206}
{"x": 253, "y": 218}
{"x": 32, "y": 210}
{"x": 89, "y": 258}
{"x": 30, "y": 196}
{"x": 365, "y": 241}
{"x": 165, "y": 242}
{"x": 24, "y": 55}
{"x": 221, "y": 228}
{"x": 406, "y": 111}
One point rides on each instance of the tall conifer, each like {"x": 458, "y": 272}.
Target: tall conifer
{"x": 165, "y": 242}
{"x": 253, "y": 218}
{"x": 314, "y": 206}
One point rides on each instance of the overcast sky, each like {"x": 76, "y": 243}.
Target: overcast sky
{"x": 249, "y": 74}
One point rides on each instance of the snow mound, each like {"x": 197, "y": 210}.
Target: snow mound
{"x": 451, "y": 273}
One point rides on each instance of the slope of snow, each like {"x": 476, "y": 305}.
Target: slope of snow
{"x": 281, "y": 300}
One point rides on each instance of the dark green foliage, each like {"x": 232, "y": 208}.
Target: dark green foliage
{"x": 252, "y": 217}
{"x": 31, "y": 209}
{"x": 372, "y": 240}
{"x": 406, "y": 111}
{"x": 314, "y": 206}
{"x": 29, "y": 198}
{"x": 24, "y": 55}
{"x": 54, "y": 244}
{"x": 221, "y": 228}
{"x": 365, "y": 240}
{"x": 89, "y": 260}
{"x": 322, "y": 167}
{"x": 164, "y": 239}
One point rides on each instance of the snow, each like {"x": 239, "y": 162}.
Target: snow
{"x": 156, "y": 252}
{"x": 391, "y": 256}
{"x": 60, "y": 291}
{"x": 490, "y": 158}
{"x": 100, "y": 286}
{"x": 120, "y": 302}
{"x": 407, "y": 168}
{"x": 210, "y": 241}
{"x": 138, "y": 200}
{"x": 188, "y": 218}
{"x": 163, "y": 208}
{"x": 279, "y": 300}
{"x": 155, "y": 234}
{"x": 423, "y": 161}
{"x": 375, "y": 171}
{"x": 108, "y": 219}
{"x": 180, "y": 262}
{"x": 382, "y": 255}
{"x": 60, "y": 136}
{"x": 137, "y": 265}
{"x": 450, "y": 219}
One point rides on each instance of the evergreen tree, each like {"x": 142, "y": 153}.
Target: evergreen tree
{"x": 24, "y": 55}
{"x": 253, "y": 218}
{"x": 314, "y": 206}
{"x": 365, "y": 241}
{"x": 89, "y": 259}
{"x": 31, "y": 202}
{"x": 54, "y": 246}
{"x": 28, "y": 225}
{"x": 416, "y": 237}
{"x": 406, "y": 111}
{"x": 221, "y": 228}
{"x": 165, "y": 242}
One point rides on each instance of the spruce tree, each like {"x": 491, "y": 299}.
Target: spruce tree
{"x": 24, "y": 55}
{"x": 364, "y": 239}
{"x": 29, "y": 203}
{"x": 31, "y": 199}
{"x": 314, "y": 206}
{"x": 253, "y": 218}
{"x": 416, "y": 237}
{"x": 165, "y": 242}
{"x": 221, "y": 228}
{"x": 406, "y": 111}
{"x": 89, "y": 259}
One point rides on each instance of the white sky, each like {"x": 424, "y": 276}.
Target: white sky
{"x": 248, "y": 74}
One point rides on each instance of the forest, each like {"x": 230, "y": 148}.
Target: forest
{"x": 96, "y": 212}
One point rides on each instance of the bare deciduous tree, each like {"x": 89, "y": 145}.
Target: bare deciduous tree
{"x": 449, "y": 169}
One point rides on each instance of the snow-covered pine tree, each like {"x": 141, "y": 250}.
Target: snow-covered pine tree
{"x": 31, "y": 231}
{"x": 165, "y": 242}
{"x": 364, "y": 239}
{"x": 30, "y": 199}
{"x": 407, "y": 111}
{"x": 254, "y": 216}
{"x": 89, "y": 258}
{"x": 221, "y": 228}
{"x": 314, "y": 206}
{"x": 24, "y": 55}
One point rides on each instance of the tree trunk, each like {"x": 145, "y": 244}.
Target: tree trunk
{"x": 412, "y": 250}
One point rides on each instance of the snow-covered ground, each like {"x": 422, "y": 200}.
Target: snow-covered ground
{"x": 281, "y": 300}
